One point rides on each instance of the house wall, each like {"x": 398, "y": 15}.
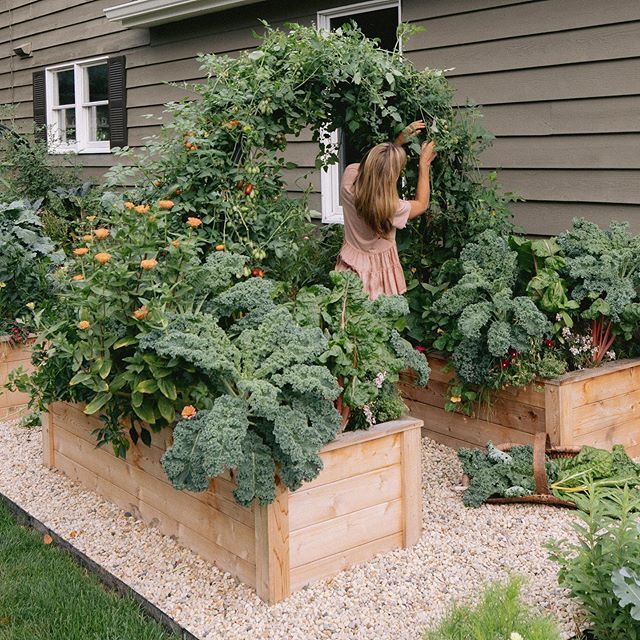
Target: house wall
{"x": 559, "y": 81}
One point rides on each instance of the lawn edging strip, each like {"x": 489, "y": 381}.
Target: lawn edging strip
{"x": 107, "y": 579}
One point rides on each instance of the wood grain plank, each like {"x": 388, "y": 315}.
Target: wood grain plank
{"x": 625, "y": 433}
{"x": 272, "y": 547}
{"x": 325, "y": 567}
{"x": 346, "y": 532}
{"x": 606, "y": 413}
{"x": 596, "y": 388}
{"x": 167, "y": 524}
{"x": 206, "y": 521}
{"x": 411, "y": 486}
{"x": 328, "y": 501}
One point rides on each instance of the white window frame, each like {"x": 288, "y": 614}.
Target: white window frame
{"x": 330, "y": 176}
{"x": 81, "y": 106}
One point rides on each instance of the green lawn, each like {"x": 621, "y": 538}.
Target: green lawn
{"x": 45, "y": 595}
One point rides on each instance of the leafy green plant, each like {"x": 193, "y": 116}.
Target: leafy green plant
{"x": 500, "y": 614}
{"x": 626, "y": 587}
{"x": 364, "y": 350}
{"x": 605, "y": 542}
{"x": 27, "y": 257}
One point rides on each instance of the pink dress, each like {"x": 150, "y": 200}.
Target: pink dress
{"x": 373, "y": 258}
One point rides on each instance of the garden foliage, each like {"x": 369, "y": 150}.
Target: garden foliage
{"x": 597, "y": 565}
{"x": 500, "y": 614}
{"x": 27, "y": 258}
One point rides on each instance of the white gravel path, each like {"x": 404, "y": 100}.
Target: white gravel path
{"x": 393, "y": 597}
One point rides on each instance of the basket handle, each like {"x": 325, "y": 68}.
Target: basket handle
{"x": 540, "y": 445}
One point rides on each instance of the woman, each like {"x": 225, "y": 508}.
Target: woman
{"x": 373, "y": 211}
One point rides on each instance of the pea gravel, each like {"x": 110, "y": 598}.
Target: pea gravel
{"x": 394, "y": 597}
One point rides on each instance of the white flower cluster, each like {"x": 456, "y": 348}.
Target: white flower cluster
{"x": 380, "y": 378}
{"x": 368, "y": 414}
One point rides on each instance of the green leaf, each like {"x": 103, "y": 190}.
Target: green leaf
{"x": 167, "y": 388}
{"x": 147, "y": 386}
{"x": 146, "y": 412}
{"x": 97, "y": 403}
{"x": 125, "y": 342}
{"x": 80, "y": 378}
{"x": 166, "y": 409}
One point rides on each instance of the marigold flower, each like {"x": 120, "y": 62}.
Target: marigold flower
{"x": 78, "y": 277}
{"x": 149, "y": 264}
{"x": 141, "y": 313}
{"x": 84, "y": 324}
{"x": 175, "y": 243}
{"x": 91, "y": 218}
{"x": 142, "y": 209}
{"x": 101, "y": 233}
{"x": 87, "y": 237}
{"x": 103, "y": 258}
{"x": 129, "y": 205}
{"x": 194, "y": 222}
{"x": 165, "y": 204}
{"x": 455, "y": 399}
{"x": 80, "y": 251}
{"x": 219, "y": 247}
{"x": 188, "y": 412}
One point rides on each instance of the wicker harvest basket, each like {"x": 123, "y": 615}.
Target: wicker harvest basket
{"x": 541, "y": 449}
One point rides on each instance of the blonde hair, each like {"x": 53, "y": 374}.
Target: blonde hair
{"x": 376, "y": 186}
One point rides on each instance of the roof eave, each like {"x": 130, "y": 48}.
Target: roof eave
{"x": 149, "y": 13}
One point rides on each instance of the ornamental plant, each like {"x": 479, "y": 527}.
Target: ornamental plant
{"x": 222, "y": 157}
{"x": 27, "y": 258}
{"x": 607, "y": 542}
{"x": 364, "y": 351}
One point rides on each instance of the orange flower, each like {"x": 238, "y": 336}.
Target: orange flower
{"x": 256, "y": 272}
{"x": 157, "y": 183}
{"x": 80, "y": 251}
{"x": 141, "y": 313}
{"x": 147, "y": 265}
{"x": 175, "y": 243}
{"x": 84, "y": 324}
{"x": 142, "y": 209}
{"x": 194, "y": 222}
{"x": 165, "y": 204}
{"x": 188, "y": 412}
{"x": 103, "y": 258}
{"x": 87, "y": 237}
{"x": 78, "y": 277}
{"x": 219, "y": 247}
{"x": 129, "y": 205}
{"x": 102, "y": 233}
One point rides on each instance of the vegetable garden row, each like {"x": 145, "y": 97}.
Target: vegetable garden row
{"x": 250, "y": 395}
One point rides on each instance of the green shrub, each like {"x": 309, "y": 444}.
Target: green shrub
{"x": 500, "y": 615}
{"x": 27, "y": 257}
{"x": 608, "y": 540}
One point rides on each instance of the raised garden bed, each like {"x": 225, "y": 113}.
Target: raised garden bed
{"x": 598, "y": 407}
{"x": 366, "y": 501}
{"x": 13, "y": 403}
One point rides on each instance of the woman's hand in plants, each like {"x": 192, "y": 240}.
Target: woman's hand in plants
{"x": 409, "y": 132}
{"x": 427, "y": 154}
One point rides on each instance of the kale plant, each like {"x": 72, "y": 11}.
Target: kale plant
{"x": 27, "y": 257}
{"x": 272, "y": 401}
{"x": 494, "y": 328}
{"x": 364, "y": 350}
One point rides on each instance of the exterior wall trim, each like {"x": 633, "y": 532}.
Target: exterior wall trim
{"x": 149, "y": 13}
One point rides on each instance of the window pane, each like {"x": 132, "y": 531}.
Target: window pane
{"x": 97, "y": 82}
{"x": 66, "y": 92}
{"x": 67, "y": 125}
{"x": 99, "y": 123}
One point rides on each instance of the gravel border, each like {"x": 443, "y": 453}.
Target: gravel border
{"x": 393, "y": 597}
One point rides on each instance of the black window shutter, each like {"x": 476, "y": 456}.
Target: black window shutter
{"x": 117, "y": 75}
{"x": 40, "y": 105}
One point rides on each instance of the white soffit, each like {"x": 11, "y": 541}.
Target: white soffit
{"x": 148, "y": 13}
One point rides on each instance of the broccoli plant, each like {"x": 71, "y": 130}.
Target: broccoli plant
{"x": 272, "y": 401}
{"x": 364, "y": 349}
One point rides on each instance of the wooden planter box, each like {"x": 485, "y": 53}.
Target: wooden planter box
{"x": 13, "y": 404}
{"x": 367, "y": 500}
{"x": 598, "y": 407}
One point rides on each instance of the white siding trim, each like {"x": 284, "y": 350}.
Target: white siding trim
{"x": 148, "y": 13}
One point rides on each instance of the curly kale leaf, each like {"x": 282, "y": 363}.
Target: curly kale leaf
{"x": 412, "y": 359}
{"x": 206, "y": 445}
{"x": 490, "y": 257}
{"x": 256, "y": 476}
